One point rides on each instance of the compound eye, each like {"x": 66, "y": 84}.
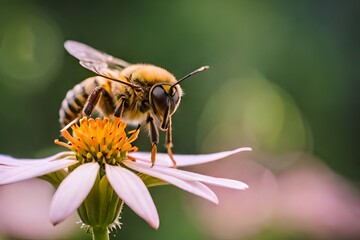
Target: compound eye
{"x": 159, "y": 98}
{"x": 175, "y": 96}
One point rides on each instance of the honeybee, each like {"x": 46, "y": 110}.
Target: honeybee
{"x": 141, "y": 94}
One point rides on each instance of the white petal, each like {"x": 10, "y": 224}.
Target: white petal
{"x": 191, "y": 176}
{"x": 193, "y": 187}
{"x": 16, "y": 174}
{"x": 72, "y": 191}
{"x": 11, "y": 161}
{"x": 131, "y": 189}
{"x": 185, "y": 160}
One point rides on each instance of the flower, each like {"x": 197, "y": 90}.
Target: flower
{"x": 102, "y": 155}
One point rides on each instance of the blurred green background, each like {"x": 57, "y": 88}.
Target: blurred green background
{"x": 283, "y": 78}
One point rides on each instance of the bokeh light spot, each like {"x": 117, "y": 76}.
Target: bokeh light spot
{"x": 30, "y": 50}
{"x": 252, "y": 111}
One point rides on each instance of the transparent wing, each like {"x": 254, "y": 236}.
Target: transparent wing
{"x": 86, "y": 53}
{"x": 99, "y": 62}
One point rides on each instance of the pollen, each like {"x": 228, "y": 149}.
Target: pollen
{"x": 100, "y": 140}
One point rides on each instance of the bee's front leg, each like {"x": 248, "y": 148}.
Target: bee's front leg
{"x": 154, "y": 137}
{"x": 120, "y": 108}
{"x": 169, "y": 144}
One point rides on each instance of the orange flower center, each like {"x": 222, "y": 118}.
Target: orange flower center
{"x": 99, "y": 140}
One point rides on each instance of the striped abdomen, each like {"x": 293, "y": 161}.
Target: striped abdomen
{"x": 73, "y": 104}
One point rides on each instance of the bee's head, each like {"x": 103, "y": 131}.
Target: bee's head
{"x": 164, "y": 100}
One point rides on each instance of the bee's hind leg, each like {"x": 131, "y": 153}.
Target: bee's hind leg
{"x": 169, "y": 144}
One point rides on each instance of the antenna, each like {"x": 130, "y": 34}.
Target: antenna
{"x": 203, "y": 68}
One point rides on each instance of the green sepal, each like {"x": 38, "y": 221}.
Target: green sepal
{"x": 55, "y": 178}
{"x": 118, "y": 208}
{"x": 151, "y": 181}
{"x": 102, "y": 206}
{"x": 82, "y": 211}
{"x": 105, "y": 196}
{"x": 109, "y": 202}
{"x": 91, "y": 204}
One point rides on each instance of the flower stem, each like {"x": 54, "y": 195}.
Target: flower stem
{"x": 100, "y": 233}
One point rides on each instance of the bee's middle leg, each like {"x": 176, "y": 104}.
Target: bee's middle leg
{"x": 107, "y": 105}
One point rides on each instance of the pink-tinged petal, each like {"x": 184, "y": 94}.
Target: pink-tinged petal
{"x": 191, "y": 176}
{"x": 222, "y": 182}
{"x": 131, "y": 189}
{"x": 72, "y": 191}
{"x": 185, "y": 160}
{"x": 191, "y": 186}
{"x": 4, "y": 168}
{"x": 15, "y": 162}
{"x": 16, "y": 174}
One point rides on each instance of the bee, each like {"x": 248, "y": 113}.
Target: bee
{"x": 142, "y": 94}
